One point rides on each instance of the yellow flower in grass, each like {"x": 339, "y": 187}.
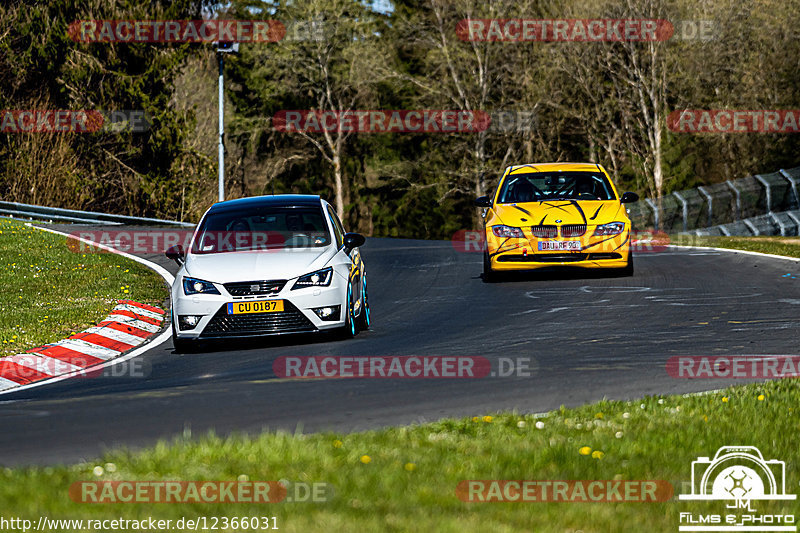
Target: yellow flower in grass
{"x": 585, "y": 450}
{"x": 761, "y": 397}
{"x": 487, "y": 418}
{"x": 597, "y": 454}
{"x": 366, "y": 459}
{"x": 725, "y": 399}
{"x": 337, "y": 443}
{"x": 410, "y": 467}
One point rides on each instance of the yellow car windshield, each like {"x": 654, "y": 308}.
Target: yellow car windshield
{"x": 542, "y": 186}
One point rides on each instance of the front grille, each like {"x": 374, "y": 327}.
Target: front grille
{"x": 573, "y": 230}
{"x": 544, "y": 232}
{"x": 255, "y": 288}
{"x": 290, "y": 320}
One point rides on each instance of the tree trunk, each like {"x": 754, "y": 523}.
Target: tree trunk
{"x": 338, "y": 183}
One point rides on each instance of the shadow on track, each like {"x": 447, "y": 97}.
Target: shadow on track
{"x": 262, "y": 342}
{"x": 553, "y": 274}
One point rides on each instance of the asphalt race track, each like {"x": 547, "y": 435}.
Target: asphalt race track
{"x": 590, "y": 336}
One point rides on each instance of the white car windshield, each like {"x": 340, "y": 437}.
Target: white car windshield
{"x": 541, "y": 186}
{"x": 265, "y": 228}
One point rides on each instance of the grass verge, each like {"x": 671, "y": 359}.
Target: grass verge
{"x": 404, "y": 479}
{"x": 49, "y": 291}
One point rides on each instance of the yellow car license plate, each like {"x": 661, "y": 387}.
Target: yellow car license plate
{"x": 560, "y": 246}
{"x": 264, "y": 306}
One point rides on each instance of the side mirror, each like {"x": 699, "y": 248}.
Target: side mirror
{"x": 176, "y": 253}
{"x": 483, "y": 201}
{"x": 629, "y": 198}
{"x": 353, "y": 240}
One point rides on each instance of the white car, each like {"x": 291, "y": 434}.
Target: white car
{"x": 268, "y": 265}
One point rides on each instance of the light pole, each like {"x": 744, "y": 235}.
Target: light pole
{"x": 223, "y": 47}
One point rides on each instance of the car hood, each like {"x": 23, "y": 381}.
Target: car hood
{"x": 257, "y": 265}
{"x": 560, "y": 212}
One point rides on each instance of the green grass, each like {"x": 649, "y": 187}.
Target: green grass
{"x": 50, "y": 291}
{"x": 788, "y": 246}
{"x": 410, "y": 480}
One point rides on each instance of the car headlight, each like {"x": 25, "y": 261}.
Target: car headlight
{"x": 508, "y": 231}
{"x": 196, "y": 286}
{"x": 612, "y": 228}
{"x": 320, "y": 278}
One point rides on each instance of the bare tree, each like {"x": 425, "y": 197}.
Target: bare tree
{"x": 333, "y": 64}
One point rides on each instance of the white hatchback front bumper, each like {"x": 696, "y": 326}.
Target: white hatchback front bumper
{"x": 298, "y": 315}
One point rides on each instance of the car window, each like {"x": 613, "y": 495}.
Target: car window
{"x": 540, "y": 186}
{"x": 262, "y": 228}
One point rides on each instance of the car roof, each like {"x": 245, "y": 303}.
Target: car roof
{"x": 550, "y": 167}
{"x": 273, "y": 200}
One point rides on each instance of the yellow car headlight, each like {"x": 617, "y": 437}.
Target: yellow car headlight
{"x": 612, "y": 228}
{"x": 508, "y": 232}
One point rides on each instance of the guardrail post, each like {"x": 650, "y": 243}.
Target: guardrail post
{"x": 656, "y": 214}
{"x": 738, "y": 194}
{"x": 752, "y": 227}
{"x": 793, "y": 181}
{"x": 780, "y": 224}
{"x": 766, "y": 185}
{"x": 710, "y": 200}
{"x": 795, "y": 218}
{"x": 685, "y": 209}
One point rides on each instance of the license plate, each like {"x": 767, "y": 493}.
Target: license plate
{"x": 264, "y": 306}
{"x": 560, "y": 246}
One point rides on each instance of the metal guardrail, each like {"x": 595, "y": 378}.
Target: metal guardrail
{"x": 38, "y": 212}
{"x": 743, "y": 206}
{"x": 784, "y": 223}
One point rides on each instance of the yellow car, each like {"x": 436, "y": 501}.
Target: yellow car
{"x": 556, "y": 214}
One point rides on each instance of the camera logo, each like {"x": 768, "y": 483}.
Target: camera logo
{"x": 737, "y": 475}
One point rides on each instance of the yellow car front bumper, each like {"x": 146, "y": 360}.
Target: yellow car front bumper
{"x": 525, "y": 254}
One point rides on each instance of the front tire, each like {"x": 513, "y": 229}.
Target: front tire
{"x": 182, "y": 345}
{"x": 363, "y": 320}
{"x": 489, "y": 275}
{"x": 348, "y": 331}
{"x": 627, "y": 270}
